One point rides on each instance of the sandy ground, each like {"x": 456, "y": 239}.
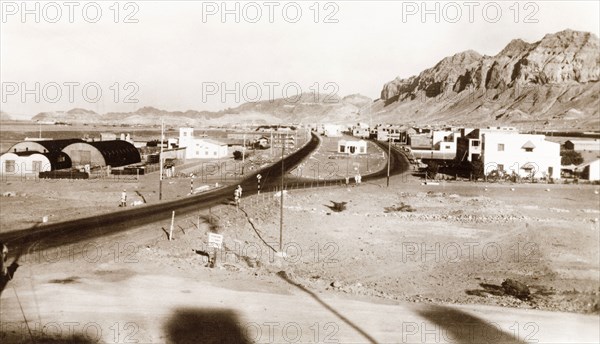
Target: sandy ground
{"x": 371, "y": 273}
{"x": 326, "y": 163}
{"x": 350, "y": 277}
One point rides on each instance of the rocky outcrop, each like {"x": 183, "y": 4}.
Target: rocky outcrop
{"x": 561, "y": 61}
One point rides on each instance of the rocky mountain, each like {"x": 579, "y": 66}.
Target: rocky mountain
{"x": 550, "y": 83}
{"x": 304, "y": 108}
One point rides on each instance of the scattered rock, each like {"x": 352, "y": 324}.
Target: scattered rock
{"x": 336, "y": 284}
{"x": 516, "y": 289}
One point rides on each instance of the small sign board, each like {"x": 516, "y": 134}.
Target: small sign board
{"x": 215, "y": 240}
{"x": 258, "y": 176}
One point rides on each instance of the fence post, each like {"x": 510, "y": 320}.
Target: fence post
{"x": 172, "y": 224}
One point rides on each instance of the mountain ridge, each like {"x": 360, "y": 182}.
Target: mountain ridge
{"x": 529, "y": 84}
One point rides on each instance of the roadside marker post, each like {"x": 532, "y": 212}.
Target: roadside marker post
{"x": 172, "y": 224}
{"x": 216, "y": 242}
{"x": 258, "y": 177}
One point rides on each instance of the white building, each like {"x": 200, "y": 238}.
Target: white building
{"x": 24, "y": 163}
{"x": 385, "y": 132}
{"x": 332, "y": 130}
{"x": 583, "y": 145}
{"x": 589, "y": 170}
{"x": 201, "y": 148}
{"x": 361, "y": 130}
{"x": 445, "y": 141}
{"x": 352, "y": 147}
{"x": 523, "y": 154}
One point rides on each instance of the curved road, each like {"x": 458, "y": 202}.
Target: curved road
{"x": 70, "y": 232}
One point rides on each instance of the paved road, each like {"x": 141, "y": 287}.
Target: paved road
{"x": 69, "y": 232}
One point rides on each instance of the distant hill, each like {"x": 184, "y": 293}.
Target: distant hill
{"x": 306, "y": 108}
{"x": 552, "y": 83}
{"x": 4, "y": 116}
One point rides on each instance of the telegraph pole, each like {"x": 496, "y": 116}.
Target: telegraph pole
{"x": 160, "y": 157}
{"x": 243, "y": 153}
{"x": 389, "y": 159}
{"x": 271, "y": 142}
{"x": 281, "y": 201}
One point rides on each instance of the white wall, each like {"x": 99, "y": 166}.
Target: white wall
{"x": 360, "y": 147}
{"x": 545, "y": 154}
{"x": 332, "y": 130}
{"x": 186, "y": 136}
{"x": 23, "y": 164}
{"x": 202, "y": 149}
{"x": 594, "y": 170}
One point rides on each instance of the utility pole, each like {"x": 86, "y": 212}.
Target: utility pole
{"x": 281, "y": 201}
{"x": 347, "y": 158}
{"x": 389, "y": 159}
{"x": 160, "y": 157}
{"x": 243, "y": 153}
{"x": 271, "y": 142}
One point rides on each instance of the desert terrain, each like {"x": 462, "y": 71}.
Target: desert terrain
{"x": 420, "y": 253}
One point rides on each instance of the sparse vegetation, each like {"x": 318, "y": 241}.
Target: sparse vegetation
{"x": 400, "y": 208}
{"x": 568, "y": 157}
{"x": 477, "y": 169}
{"x": 338, "y": 207}
{"x": 432, "y": 169}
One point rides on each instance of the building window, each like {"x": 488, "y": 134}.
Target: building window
{"x": 500, "y": 167}
{"x": 214, "y": 153}
{"x": 447, "y": 147}
{"x": 501, "y": 147}
{"x": 37, "y": 166}
{"x": 529, "y": 149}
{"x": 475, "y": 143}
{"x": 10, "y": 165}
{"x": 184, "y": 133}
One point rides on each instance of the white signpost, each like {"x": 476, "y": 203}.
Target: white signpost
{"x": 216, "y": 242}
{"x": 258, "y": 177}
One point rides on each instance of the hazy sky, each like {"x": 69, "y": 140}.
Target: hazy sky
{"x": 181, "y": 55}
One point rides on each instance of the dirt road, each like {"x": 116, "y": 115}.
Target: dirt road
{"x": 118, "y": 305}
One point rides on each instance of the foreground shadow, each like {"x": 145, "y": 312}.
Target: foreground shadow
{"x": 207, "y": 326}
{"x": 10, "y": 335}
{"x": 369, "y": 339}
{"x": 7, "y": 272}
{"x": 455, "y": 326}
